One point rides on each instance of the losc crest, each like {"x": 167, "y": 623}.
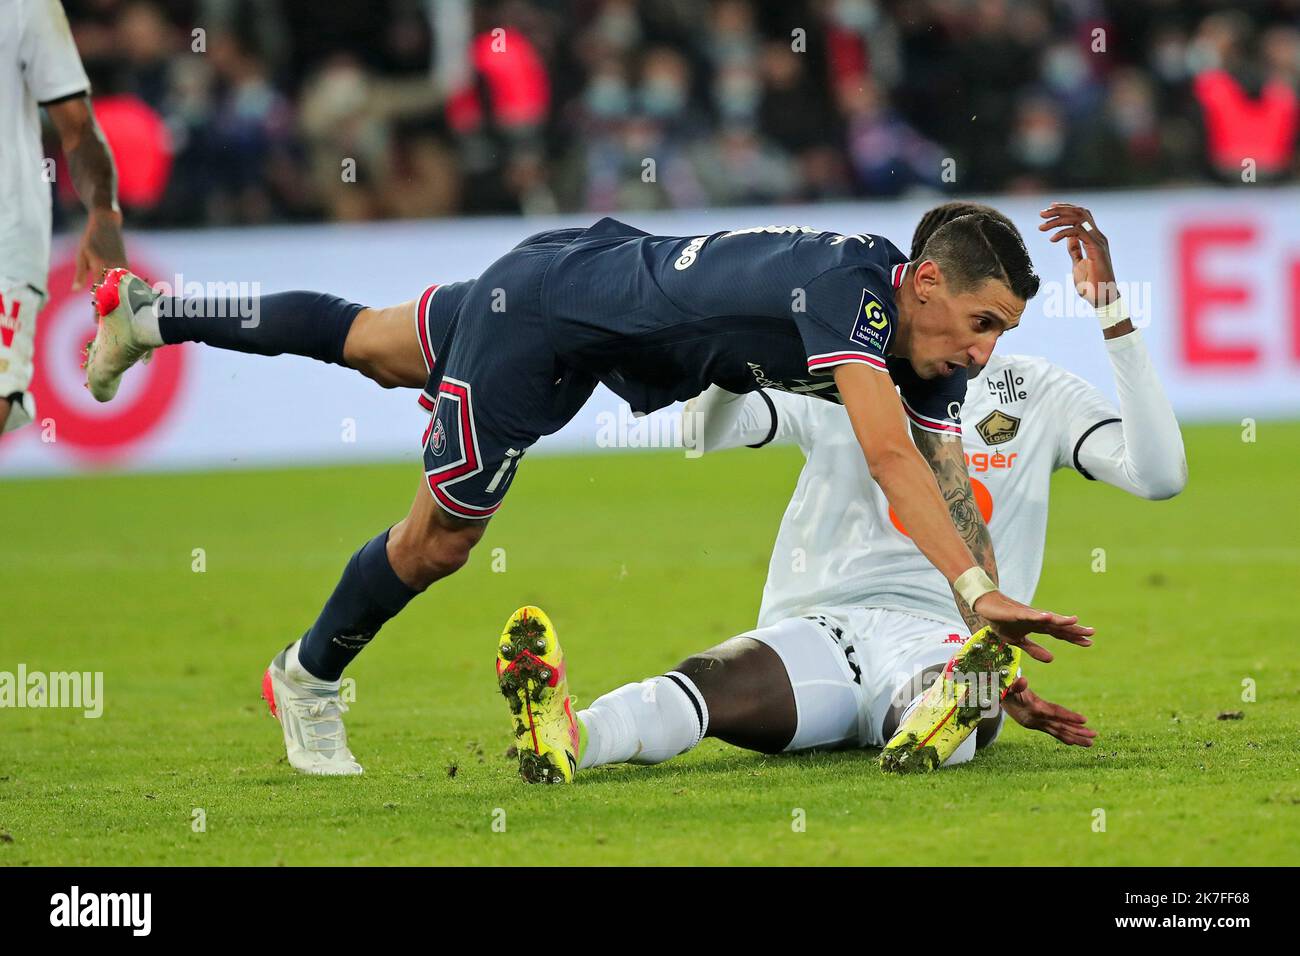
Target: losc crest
{"x": 997, "y": 427}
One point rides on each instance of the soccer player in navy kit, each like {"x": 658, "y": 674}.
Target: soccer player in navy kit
{"x": 656, "y": 319}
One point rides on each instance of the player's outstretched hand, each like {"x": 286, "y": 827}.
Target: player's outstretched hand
{"x": 1013, "y": 622}
{"x": 1094, "y": 273}
{"x": 1033, "y": 713}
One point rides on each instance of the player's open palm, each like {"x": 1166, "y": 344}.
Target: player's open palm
{"x": 1033, "y": 713}
{"x": 1013, "y": 622}
{"x": 1093, "y": 272}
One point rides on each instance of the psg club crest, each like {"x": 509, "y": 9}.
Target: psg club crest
{"x": 438, "y": 441}
{"x": 997, "y": 427}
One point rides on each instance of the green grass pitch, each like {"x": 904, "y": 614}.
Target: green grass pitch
{"x": 640, "y": 558}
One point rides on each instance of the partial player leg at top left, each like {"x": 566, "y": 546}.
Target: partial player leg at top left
{"x": 18, "y": 307}
{"x": 393, "y": 346}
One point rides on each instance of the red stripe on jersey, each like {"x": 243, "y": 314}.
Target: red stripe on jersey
{"x": 933, "y": 424}
{"x": 896, "y": 275}
{"x": 840, "y": 358}
{"x": 422, "y": 323}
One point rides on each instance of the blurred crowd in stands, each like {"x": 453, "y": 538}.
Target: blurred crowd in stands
{"x": 251, "y": 111}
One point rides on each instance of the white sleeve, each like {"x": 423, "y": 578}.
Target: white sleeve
{"x": 718, "y": 419}
{"x": 1139, "y": 448}
{"x": 47, "y": 54}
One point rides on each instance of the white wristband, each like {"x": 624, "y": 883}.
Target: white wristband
{"x": 1113, "y": 314}
{"x": 972, "y": 584}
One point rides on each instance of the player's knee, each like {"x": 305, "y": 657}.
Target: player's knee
{"x": 447, "y": 552}
{"x": 707, "y": 670}
{"x": 380, "y": 376}
{"x": 749, "y": 705}
{"x": 433, "y": 553}
{"x": 363, "y": 349}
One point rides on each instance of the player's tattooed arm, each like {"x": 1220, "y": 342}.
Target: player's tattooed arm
{"x": 946, "y": 460}
{"x": 94, "y": 177}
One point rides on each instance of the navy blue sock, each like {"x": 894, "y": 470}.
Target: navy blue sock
{"x": 368, "y": 594}
{"x": 314, "y": 324}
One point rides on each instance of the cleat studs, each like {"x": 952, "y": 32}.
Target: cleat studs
{"x": 544, "y": 675}
{"x": 507, "y": 651}
{"x": 539, "y": 645}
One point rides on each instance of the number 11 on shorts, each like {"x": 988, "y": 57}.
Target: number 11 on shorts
{"x": 507, "y": 469}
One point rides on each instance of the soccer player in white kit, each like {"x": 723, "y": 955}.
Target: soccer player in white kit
{"x": 854, "y": 621}
{"x": 39, "y": 67}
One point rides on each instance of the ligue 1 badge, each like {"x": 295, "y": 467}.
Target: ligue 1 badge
{"x": 871, "y": 328}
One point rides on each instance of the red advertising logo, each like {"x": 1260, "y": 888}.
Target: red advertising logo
{"x": 1209, "y": 304}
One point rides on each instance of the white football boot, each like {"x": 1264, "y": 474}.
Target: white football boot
{"x": 310, "y": 712}
{"x": 124, "y": 306}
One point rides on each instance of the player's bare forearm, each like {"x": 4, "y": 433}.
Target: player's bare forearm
{"x": 90, "y": 162}
{"x": 909, "y": 486}
{"x": 903, "y": 475}
{"x": 94, "y": 177}
{"x": 945, "y": 458}
{"x": 876, "y": 413}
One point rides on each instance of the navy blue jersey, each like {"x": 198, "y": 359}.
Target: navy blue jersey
{"x": 656, "y": 319}
{"x": 660, "y": 318}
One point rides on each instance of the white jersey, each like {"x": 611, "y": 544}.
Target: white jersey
{"x": 38, "y": 64}
{"x": 839, "y": 545}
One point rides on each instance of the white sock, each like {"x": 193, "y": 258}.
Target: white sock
{"x": 144, "y": 322}
{"x": 649, "y": 722}
{"x": 965, "y": 750}
{"x": 300, "y": 675}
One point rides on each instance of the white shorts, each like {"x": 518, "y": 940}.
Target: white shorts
{"x": 853, "y": 670}
{"x": 19, "y": 304}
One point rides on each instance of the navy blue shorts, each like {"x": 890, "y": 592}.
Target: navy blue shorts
{"x": 497, "y": 385}
{"x": 435, "y": 311}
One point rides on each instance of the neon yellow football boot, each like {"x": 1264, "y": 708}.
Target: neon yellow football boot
{"x": 531, "y": 674}
{"x": 970, "y": 687}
